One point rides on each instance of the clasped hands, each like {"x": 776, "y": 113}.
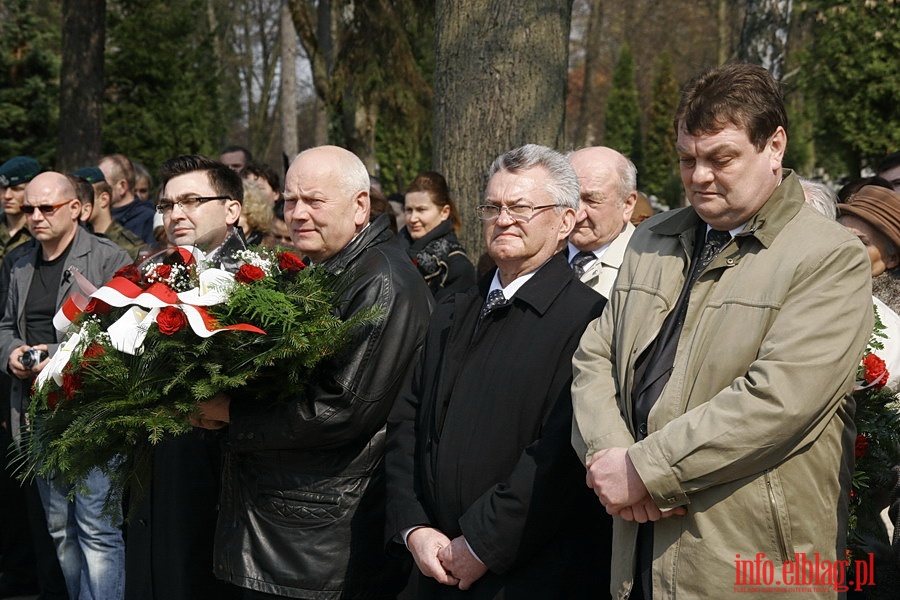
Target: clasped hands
{"x": 447, "y": 561}
{"x": 612, "y": 476}
{"x": 213, "y": 414}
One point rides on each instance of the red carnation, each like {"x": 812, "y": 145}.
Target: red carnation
{"x": 53, "y": 399}
{"x": 95, "y": 306}
{"x": 71, "y": 383}
{"x": 862, "y": 445}
{"x": 163, "y": 271}
{"x": 876, "y": 371}
{"x": 170, "y": 320}
{"x": 94, "y": 350}
{"x": 288, "y": 261}
{"x": 129, "y": 272}
{"x": 248, "y": 273}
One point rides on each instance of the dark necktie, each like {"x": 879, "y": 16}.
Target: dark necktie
{"x": 580, "y": 261}
{"x": 495, "y": 299}
{"x": 715, "y": 241}
{"x": 652, "y": 372}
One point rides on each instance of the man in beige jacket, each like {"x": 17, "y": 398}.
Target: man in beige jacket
{"x": 608, "y": 182}
{"x": 714, "y": 388}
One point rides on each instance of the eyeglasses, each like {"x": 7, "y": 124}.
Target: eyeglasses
{"x": 44, "y": 208}
{"x": 185, "y": 203}
{"x": 516, "y": 212}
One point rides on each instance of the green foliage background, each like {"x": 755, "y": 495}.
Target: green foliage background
{"x": 171, "y": 85}
{"x": 29, "y": 79}
{"x": 623, "y": 111}
{"x": 162, "y": 80}
{"x": 660, "y": 175}
{"x": 849, "y": 74}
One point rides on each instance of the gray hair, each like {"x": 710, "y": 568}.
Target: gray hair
{"x": 563, "y": 184}
{"x": 354, "y": 178}
{"x": 820, "y": 197}
{"x": 627, "y": 173}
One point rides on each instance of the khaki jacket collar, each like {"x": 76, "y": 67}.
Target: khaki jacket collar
{"x": 784, "y": 203}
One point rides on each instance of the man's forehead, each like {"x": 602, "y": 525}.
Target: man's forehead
{"x": 600, "y": 177}
{"x": 516, "y": 185}
{"x": 311, "y": 179}
{"x": 195, "y": 182}
{"x": 48, "y": 185}
{"x": 728, "y": 138}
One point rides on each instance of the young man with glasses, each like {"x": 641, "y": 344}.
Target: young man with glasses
{"x": 200, "y": 202}
{"x": 88, "y": 544}
{"x": 484, "y": 489}
{"x": 170, "y": 537}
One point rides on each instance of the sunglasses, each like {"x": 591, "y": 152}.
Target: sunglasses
{"x": 44, "y": 208}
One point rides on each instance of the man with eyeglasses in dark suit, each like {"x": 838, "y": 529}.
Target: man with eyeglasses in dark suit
{"x": 484, "y": 489}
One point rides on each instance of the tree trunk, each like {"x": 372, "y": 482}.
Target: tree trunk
{"x": 359, "y": 118}
{"x": 590, "y": 119}
{"x": 500, "y": 81}
{"x": 81, "y": 83}
{"x": 764, "y": 36}
{"x": 723, "y": 47}
{"x": 288, "y": 85}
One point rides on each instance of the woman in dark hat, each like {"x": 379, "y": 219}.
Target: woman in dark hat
{"x": 873, "y": 214}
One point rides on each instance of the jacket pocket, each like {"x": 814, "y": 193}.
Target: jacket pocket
{"x": 780, "y": 521}
{"x": 300, "y": 506}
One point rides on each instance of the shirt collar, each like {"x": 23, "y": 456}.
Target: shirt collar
{"x": 510, "y": 290}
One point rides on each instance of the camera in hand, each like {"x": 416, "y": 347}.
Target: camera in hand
{"x": 32, "y": 357}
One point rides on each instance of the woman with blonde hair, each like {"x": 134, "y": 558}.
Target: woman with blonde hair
{"x": 256, "y": 213}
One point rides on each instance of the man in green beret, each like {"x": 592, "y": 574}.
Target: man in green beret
{"x": 14, "y": 174}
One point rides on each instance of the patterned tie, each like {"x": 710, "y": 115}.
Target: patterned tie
{"x": 715, "y": 241}
{"x": 495, "y": 299}
{"x": 580, "y": 261}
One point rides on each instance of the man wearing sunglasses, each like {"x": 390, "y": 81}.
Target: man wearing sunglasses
{"x": 92, "y": 555}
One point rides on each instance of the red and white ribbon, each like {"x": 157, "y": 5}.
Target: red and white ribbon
{"x": 127, "y": 334}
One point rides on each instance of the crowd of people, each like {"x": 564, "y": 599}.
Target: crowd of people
{"x": 607, "y": 404}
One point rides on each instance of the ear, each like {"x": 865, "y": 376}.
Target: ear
{"x": 776, "y": 147}
{"x": 75, "y": 210}
{"x": 569, "y": 217}
{"x": 86, "y": 211}
{"x": 445, "y": 212}
{"x": 361, "y": 206}
{"x": 102, "y": 200}
{"x": 628, "y": 207}
{"x": 232, "y": 212}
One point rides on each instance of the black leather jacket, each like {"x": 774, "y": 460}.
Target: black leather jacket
{"x": 302, "y": 509}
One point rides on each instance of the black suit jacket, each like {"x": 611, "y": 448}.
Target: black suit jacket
{"x": 479, "y": 442}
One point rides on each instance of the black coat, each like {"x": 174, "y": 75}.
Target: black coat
{"x": 170, "y": 533}
{"x": 302, "y": 511}
{"x": 441, "y": 260}
{"x": 479, "y": 443}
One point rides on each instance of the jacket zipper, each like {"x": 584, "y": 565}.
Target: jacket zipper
{"x": 779, "y": 533}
